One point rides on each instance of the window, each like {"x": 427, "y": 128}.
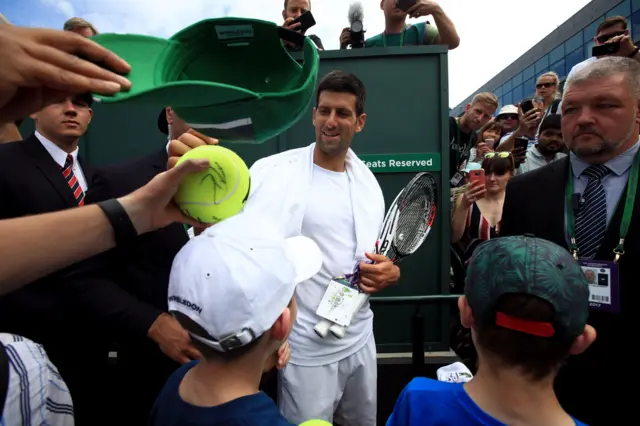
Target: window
{"x": 622, "y": 9}
{"x": 635, "y": 5}
{"x": 506, "y": 87}
{"x": 530, "y": 72}
{"x": 517, "y": 79}
{"x": 517, "y": 93}
{"x": 498, "y": 91}
{"x": 590, "y": 32}
{"x": 556, "y": 54}
{"x": 559, "y": 68}
{"x": 574, "y": 58}
{"x": 529, "y": 88}
{"x": 587, "y": 49}
{"x": 507, "y": 99}
{"x": 574, "y": 42}
{"x": 541, "y": 65}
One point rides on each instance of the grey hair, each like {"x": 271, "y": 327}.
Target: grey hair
{"x": 606, "y": 67}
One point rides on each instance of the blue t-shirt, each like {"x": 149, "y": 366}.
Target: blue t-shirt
{"x": 427, "y": 402}
{"x": 251, "y": 410}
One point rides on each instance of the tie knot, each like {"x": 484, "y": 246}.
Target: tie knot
{"x": 596, "y": 172}
{"x": 69, "y": 161}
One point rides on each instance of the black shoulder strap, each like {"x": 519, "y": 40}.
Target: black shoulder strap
{"x": 4, "y": 377}
{"x": 554, "y": 106}
{"x": 291, "y": 36}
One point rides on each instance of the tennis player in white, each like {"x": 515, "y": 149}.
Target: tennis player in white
{"x": 324, "y": 192}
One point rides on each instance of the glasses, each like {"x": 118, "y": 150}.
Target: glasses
{"x": 606, "y": 37}
{"x": 509, "y": 117}
{"x": 501, "y": 154}
{"x": 545, "y": 85}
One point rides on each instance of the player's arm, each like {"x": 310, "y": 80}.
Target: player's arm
{"x": 34, "y": 246}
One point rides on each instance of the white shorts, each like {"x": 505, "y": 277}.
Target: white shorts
{"x": 345, "y": 390}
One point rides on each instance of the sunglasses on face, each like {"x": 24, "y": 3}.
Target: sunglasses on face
{"x": 606, "y": 37}
{"x": 544, "y": 85}
{"x": 509, "y": 117}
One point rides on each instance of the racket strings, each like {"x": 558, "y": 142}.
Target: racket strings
{"x": 416, "y": 213}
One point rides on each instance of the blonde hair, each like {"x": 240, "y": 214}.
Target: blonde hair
{"x": 556, "y": 78}
{"x": 486, "y": 98}
{"x": 77, "y": 24}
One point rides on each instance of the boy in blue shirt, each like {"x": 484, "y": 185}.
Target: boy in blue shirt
{"x": 232, "y": 288}
{"x": 526, "y": 301}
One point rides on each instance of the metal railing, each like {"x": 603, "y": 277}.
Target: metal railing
{"x": 417, "y": 320}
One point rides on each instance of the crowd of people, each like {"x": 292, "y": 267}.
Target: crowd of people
{"x": 543, "y": 231}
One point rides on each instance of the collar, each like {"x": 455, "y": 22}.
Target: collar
{"x": 618, "y": 165}
{"x": 58, "y": 155}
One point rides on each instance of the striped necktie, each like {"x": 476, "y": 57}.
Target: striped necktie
{"x": 72, "y": 180}
{"x": 591, "y": 220}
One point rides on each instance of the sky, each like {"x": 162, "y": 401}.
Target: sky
{"x": 493, "y": 33}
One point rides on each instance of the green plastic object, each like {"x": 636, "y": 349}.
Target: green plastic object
{"x": 230, "y": 78}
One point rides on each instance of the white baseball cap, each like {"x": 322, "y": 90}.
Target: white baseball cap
{"x": 508, "y": 109}
{"x": 235, "y": 283}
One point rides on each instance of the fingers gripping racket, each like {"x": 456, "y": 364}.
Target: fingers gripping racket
{"x": 406, "y": 226}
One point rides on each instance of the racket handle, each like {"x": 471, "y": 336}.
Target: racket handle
{"x": 338, "y": 330}
{"x": 322, "y": 328}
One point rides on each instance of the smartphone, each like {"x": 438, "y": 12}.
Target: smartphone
{"x": 605, "y": 49}
{"x": 521, "y": 143}
{"x": 526, "y": 105}
{"x": 405, "y": 4}
{"x": 306, "y": 21}
{"x": 476, "y": 176}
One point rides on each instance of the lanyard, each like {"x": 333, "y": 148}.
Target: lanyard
{"x": 626, "y": 213}
{"x": 468, "y": 145}
{"x": 384, "y": 38}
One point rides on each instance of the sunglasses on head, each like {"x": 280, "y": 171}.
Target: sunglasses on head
{"x": 545, "y": 85}
{"x": 501, "y": 154}
{"x": 606, "y": 37}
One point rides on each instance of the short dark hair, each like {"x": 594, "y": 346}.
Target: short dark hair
{"x": 551, "y": 122}
{"x": 207, "y": 352}
{"x": 612, "y": 21}
{"x": 343, "y": 82}
{"x": 538, "y": 357}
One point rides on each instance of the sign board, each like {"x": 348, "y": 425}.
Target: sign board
{"x": 400, "y": 163}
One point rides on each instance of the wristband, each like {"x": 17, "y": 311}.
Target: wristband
{"x": 123, "y": 228}
{"x": 634, "y": 53}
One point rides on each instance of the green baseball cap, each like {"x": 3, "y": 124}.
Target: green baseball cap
{"x": 229, "y": 78}
{"x": 529, "y": 265}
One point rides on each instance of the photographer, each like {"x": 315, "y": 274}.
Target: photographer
{"x": 398, "y": 33}
{"x": 293, "y": 9}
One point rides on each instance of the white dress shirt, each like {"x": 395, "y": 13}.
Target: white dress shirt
{"x": 60, "y": 157}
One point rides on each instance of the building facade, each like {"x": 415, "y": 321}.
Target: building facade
{"x": 566, "y": 46}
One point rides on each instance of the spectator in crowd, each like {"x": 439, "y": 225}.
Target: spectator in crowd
{"x": 292, "y": 10}
{"x": 486, "y": 139}
{"x": 579, "y": 202}
{"x": 611, "y": 30}
{"x": 547, "y": 148}
{"x": 478, "y": 210}
{"x": 462, "y": 130}
{"x": 508, "y": 118}
{"x": 523, "y": 328}
{"x": 233, "y": 288}
{"x": 398, "y": 33}
{"x": 548, "y": 94}
{"x": 80, "y": 26}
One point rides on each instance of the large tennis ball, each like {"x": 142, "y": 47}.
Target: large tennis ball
{"x": 315, "y": 423}
{"x": 218, "y": 192}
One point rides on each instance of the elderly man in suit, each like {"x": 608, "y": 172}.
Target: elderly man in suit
{"x": 587, "y": 203}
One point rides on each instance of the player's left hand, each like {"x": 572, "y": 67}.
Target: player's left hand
{"x": 378, "y": 275}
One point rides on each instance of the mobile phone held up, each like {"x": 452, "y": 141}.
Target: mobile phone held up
{"x": 605, "y": 49}
{"x": 521, "y": 144}
{"x": 526, "y": 105}
{"x": 306, "y": 21}
{"x": 405, "y": 4}
{"x": 476, "y": 176}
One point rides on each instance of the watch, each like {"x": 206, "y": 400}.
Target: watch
{"x": 123, "y": 228}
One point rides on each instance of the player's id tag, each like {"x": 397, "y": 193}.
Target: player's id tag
{"x": 339, "y": 302}
{"x": 604, "y": 286}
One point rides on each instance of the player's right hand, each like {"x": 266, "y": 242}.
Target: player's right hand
{"x": 185, "y": 143}
{"x": 42, "y": 66}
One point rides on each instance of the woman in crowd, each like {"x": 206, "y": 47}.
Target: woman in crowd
{"x": 548, "y": 95}
{"x": 488, "y": 137}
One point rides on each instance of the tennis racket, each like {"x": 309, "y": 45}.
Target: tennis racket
{"x": 406, "y": 226}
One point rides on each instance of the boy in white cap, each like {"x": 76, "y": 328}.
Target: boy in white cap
{"x": 232, "y": 289}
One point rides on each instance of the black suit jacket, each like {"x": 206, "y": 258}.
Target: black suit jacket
{"x": 535, "y": 204}
{"x": 142, "y": 267}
